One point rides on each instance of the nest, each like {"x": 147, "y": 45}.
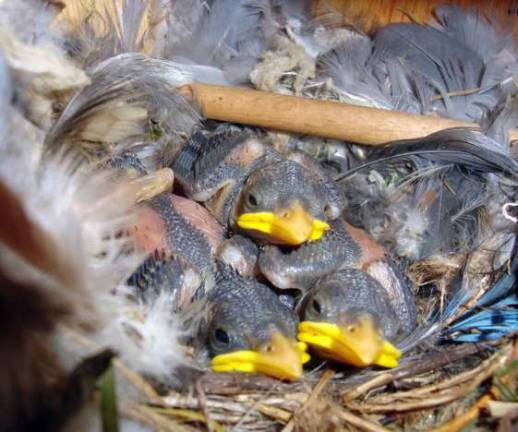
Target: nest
{"x": 441, "y": 388}
{"x": 446, "y": 389}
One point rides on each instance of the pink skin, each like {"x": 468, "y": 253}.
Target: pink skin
{"x": 201, "y": 219}
{"x": 149, "y": 230}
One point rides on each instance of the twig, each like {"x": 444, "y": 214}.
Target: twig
{"x": 460, "y": 422}
{"x": 422, "y": 365}
{"x": 436, "y": 394}
{"x": 254, "y": 406}
{"x": 324, "y": 380}
{"x": 230, "y": 384}
{"x": 406, "y": 406}
{"x": 357, "y": 421}
{"x": 377, "y": 381}
{"x": 278, "y": 414}
{"x": 202, "y": 400}
{"x": 466, "y": 92}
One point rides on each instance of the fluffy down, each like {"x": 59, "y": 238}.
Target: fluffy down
{"x": 64, "y": 258}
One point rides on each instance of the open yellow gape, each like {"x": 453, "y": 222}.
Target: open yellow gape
{"x": 359, "y": 345}
{"x": 290, "y": 226}
{"x": 281, "y": 358}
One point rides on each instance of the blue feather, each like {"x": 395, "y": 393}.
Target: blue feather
{"x": 494, "y": 315}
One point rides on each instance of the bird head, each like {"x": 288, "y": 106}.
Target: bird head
{"x": 250, "y": 330}
{"x": 342, "y": 322}
{"x": 284, "y": 204}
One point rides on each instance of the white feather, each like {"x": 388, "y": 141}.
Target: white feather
{"x": 148, "y": 339}
{"x": 83, "y": 212}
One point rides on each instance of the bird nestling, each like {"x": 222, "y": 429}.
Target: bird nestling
{"x": 350, "y": 318}
{"x": 286, "y": 201}
{"x": 250, "y": 188}
{"x": 249, "y": 329}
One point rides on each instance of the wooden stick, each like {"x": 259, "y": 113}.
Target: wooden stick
{"x": 307, "y": 116}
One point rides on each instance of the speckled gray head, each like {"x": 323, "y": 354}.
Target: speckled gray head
{"x": 250, "y": 330}
{"x": 285, "y": 203}
{"x": 348, "y": 317}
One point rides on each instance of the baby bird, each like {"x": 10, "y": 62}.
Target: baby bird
{"x": 250, "y": 330}
{"x": 178, "y": 237}
{"x": 251, "y": 188}
{"x": 350, "y": 318}
{"x": 180, "y": 257}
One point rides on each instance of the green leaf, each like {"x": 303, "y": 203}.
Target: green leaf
{"x": 109, "y": 412}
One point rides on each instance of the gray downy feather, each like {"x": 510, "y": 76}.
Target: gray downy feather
{"x": 132, "y": 90}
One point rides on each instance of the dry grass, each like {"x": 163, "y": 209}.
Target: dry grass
{"x": 449, "y": 390}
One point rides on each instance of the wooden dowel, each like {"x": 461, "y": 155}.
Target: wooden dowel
{"x": 307, "y": 116}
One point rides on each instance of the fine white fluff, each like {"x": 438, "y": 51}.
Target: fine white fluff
{"x": 84, "y": 212}
{"x": 74, "y": 208}
{"x": 148, "y": 338}
{"x": 409, "y": 231}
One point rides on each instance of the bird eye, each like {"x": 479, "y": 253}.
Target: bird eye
{"x": 315, "y": 304}
{"x": 327, "y": 210}
{"x": 222, "y": 336}
{"x": 351, "y": 329}
{"x": 57, "y": 107}
{"x": 252, "y": 200}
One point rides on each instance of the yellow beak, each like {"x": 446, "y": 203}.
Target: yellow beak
{"x": 290, "y": 226}
{"x": 358, "y": 345}
{"x": 281, "y": 358}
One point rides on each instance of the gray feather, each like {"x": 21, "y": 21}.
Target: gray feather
{"x": 231, "y": 36}
{"x": 461, "y": 68}
{"x": 460, "y": 146}
{"x": 442, "y": 184}
{"x": 29, "y": 20}
{"x": 347, "y": 66}
{"x": 5, "y": 97}
{"x": 475, "y": 30}
{"x": 131, "y": 90}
